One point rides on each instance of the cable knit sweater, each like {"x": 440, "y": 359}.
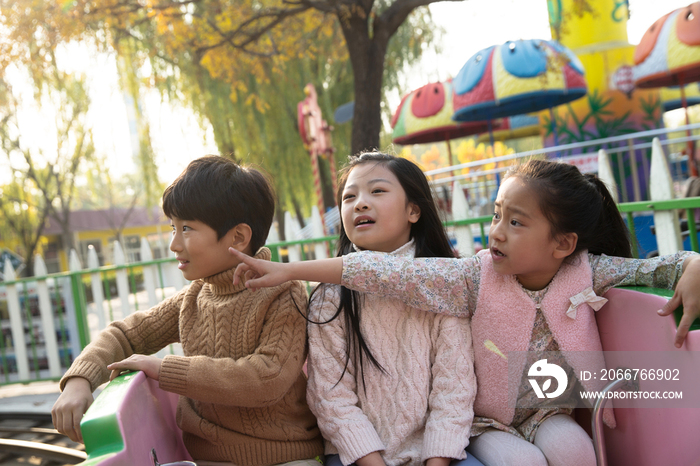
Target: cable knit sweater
{"x": 240, "y": 381}
{"x": 420, "y": 408}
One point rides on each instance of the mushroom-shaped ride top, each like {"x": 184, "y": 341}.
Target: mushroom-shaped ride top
{"x": 425, "y": 115}
{"x": 669, "y": 52}
{"x": 517, "y": 77}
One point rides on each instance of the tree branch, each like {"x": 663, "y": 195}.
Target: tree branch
{"x": 275, "y": 17}
{"x": 328, "y": 6}
{"x": 389, "y": 21}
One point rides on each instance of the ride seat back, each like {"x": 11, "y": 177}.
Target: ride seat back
{"x": 647, "y": 436}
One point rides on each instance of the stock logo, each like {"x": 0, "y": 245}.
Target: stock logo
{"x": 542, "y": 368}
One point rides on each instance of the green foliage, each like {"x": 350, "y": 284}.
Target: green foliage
{"x": 49, "y": 175}
{"x": 101, "y": 191}
{"x": 240, "y": 65}
{"x": 652, "y": 110}
{"x": 605, "y": 122}
{"x": 23, "y": 212}
{"x": 127, "y": 65}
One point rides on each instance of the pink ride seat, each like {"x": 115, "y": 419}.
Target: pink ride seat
{"x": 130, "y": 418}
{"x": 132, "y": 415}
{"x": 648, "y": 436}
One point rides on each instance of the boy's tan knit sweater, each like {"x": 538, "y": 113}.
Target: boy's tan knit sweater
{"x": 243, "y": 392}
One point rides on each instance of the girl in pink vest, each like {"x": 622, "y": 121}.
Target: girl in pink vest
{"x": 557, "y": 243}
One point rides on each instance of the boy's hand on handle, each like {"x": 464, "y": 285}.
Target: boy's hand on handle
{"x": 257, "y": 273}
{"x": 70, "y": 407}
{"x": 688, "y": 294}
{"x": 150, "y": 365}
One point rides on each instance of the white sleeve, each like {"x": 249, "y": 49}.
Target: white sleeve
{"x": 453, "y": 391}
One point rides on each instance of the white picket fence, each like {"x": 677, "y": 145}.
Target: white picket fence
{"x": 43, "y": 349}
{"x": 37, "y": 347}
{"x": 626, "y": 153}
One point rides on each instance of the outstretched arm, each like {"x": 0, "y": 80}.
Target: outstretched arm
{"x": 688, "y": 294}
{"x": 263, "y": 274}
{"x": 679, "y": 271}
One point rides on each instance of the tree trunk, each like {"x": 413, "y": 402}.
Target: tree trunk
{"x": 28, "y": 270}
{"x": 298, "y": 212}
{"x": 68, "y": 243}
{"x": 367, "y": 58}
{"x": 66, "y": 233}
{"x": 30, "y": 249}
{"x": 279, "y": 215}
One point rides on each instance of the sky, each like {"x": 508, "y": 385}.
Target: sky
{"x": 176, "y": 134}
{"x": 473, "y": 25}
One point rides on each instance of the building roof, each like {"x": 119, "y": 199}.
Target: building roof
{"x": 108, "y": 219}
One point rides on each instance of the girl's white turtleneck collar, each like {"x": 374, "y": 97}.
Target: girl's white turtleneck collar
{"x": 405, "y": 250}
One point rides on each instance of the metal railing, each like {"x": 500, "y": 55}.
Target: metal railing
{"x": 623, "y": 150}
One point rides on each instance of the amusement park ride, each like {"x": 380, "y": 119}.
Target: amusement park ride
{"x": 316, "y": 136}
{"x": 132, "y": 421}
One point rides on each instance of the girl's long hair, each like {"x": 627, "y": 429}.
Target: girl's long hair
{"x": 577, "y": 203}
{"x": 428, "y": 234}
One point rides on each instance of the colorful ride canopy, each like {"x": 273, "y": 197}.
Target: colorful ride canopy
{"x": 517, "y": 77}
{"x": 425, "y": 115}
{"x": 515, "y": 127}
{"x": 671, "y": 98}
{"x": 669, "y": 52}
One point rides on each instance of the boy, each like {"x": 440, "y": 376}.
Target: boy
{"x": 241, "y": 386}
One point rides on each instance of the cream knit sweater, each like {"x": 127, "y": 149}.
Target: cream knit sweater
{"x": 241, "y": 382}
{"x": 419, "y": 409}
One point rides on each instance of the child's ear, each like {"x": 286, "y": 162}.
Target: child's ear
{"x": 239, "y": 238}
{"x": 566, "y": 245}
{"x": 413, "y": 212}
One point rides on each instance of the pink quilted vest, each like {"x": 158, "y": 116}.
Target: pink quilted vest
{"x": 505, "y": 315}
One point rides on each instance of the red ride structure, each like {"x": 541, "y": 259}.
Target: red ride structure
{"x": 316, "y": 135}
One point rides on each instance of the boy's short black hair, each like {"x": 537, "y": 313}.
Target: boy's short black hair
{"x": 222, "y": 194}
